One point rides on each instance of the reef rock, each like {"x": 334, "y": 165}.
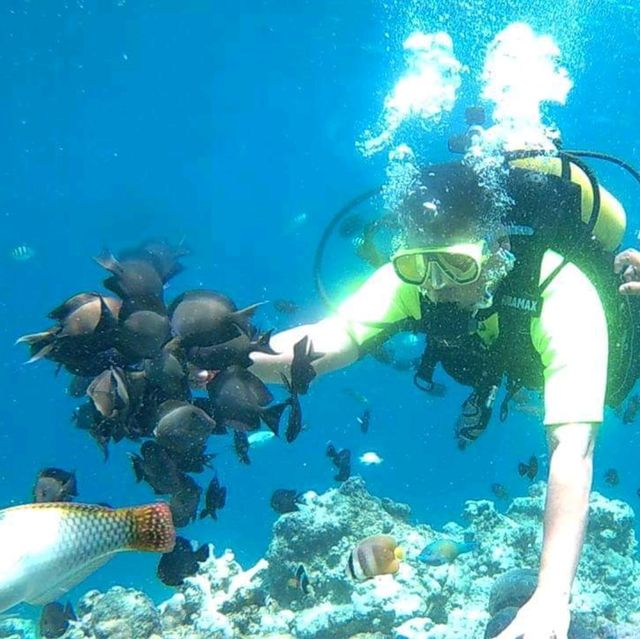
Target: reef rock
{"x": 471, "y": 598}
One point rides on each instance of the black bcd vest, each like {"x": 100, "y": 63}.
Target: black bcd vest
{"x": 545, "y": 215}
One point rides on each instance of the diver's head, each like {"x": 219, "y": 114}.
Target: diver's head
{"x": 454, "y": 246}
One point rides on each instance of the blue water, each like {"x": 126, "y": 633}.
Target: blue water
{"x": 232, "y": 125}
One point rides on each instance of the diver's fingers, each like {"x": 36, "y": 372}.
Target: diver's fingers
{"x": 630, "y": 257}
{"x": 629, "y": 288}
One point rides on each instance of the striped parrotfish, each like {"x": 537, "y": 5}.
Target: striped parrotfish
{"x": 444, "y": 551}
{"x": 47, "y": 548}
{"x": 373, "y": 556}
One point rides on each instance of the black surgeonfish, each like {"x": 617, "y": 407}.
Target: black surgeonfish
{"x": 182, "y": 427}
{"x": 184, "y": 501}
{"x": 294, "y": 421}
{"x": 365, "y": 420}
{"x": 302, "y": 371}
{"x": 341, "y": 460}
{"x": 55, "y": 484}
{"x": 162, "y": 256}
{"x": 87, "y": 325}
{"x": 235, "y": 351}
{"x": 530, "y": 469}
{"x": 205, "y": 318}
{"x": 108, "y": 392}
{"x": 194, "y": 460}
{"x": 143, "y": 334}
{"x": 155, "y": 466}
{"x": 168, "y": 372}
{"x": 87, "y": 314}
{"x": 215, "y": 499}
{"x": 240, "y": 400}
{"x": 54, "y": 619}
{"x": 135, "y": 281}
{"x": 284, "y": 500}
{"x": 182, "y": 562}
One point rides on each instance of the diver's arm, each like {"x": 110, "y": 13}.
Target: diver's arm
{"x": 567, "y": 507}
{"x": 328, "y": 337}
{"x": 546, "y": 614}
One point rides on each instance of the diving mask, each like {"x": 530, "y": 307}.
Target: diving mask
{"x": 441, "y": 266}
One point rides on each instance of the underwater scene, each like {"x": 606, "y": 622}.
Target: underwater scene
{"x": 321, "y": 319}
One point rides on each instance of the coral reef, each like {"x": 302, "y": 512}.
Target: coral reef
{"x": 471, "y": 598}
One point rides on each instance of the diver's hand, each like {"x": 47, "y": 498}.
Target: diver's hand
{"x": 544, "y": 616}
{"x": 627, "y": 264}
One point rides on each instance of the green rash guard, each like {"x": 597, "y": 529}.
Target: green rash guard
{"x": 570, "y": 334}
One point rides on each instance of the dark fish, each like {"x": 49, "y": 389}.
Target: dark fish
{"x": 235, "y": 351}
{"x": 286, "y": 307}
{"x": 195, "y": 460}
{"x": 215, "y": 499}
{"x": 638, "y": 492}
{"x": 167, "y": 372}
{"x": 499, "y": 491}
{"x": 341, "y": 460}
{"x": 611, "y": 477}
{"x": 182, "y": 427}
{"x": 161, "y": 255}
{"x": 294, "y": 421}
{"x": 206, "y": 405}
{"x": 285, "y": 501}
{"x": 135, "y": 281}
{"x": 86, "y": 314}
{"x": 365, "y": 420}
{"x": 85, "y": 361}
{"x": 55, "y": 484}
{"x": 86, "y": 325}
{"x": 109, "y": 393}
{"x": 143, "y": 334}
{"x": 205, "y": 318}
{"x": 530, "y": 469}
{"x": 240, "y": 401}
{"x": 182, "y": 562}
{"x": 54, "y": 619}
{"x": 301, "y": 580}
{"x": 157, "y": 468}
{"x": 241, "y": 446}
{"x": 302, "y": 371}
{"x": 184, "y": 502}
{"x": 631, "y": 409}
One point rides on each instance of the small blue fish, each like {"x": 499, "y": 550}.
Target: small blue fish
{"x": 444, "y": 551}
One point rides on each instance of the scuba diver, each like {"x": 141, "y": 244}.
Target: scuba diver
{"x": 518, "y": 296}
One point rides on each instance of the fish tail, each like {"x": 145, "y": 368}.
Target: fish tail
{"x": 153, "y": 528}
{"x": 272, "y": 415}
{"x": 399, "y": 553}
{"x": 107, "y": 260}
